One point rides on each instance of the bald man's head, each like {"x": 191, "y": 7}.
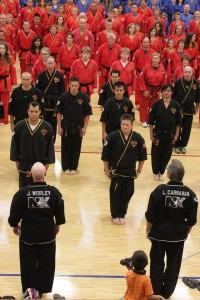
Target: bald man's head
{"x": 188, "y": 73}
{"x": 38, "y": 172}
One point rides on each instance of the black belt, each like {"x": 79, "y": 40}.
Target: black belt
{"x": 5, "y": 81}
{"x": 139, "y": 70}
{"x": 24, "y": 50}
{"x": 128, "y": 84}
{"x": 106, "y": 68}
{"x": 66, "y": 69}
{"x": 85, "y": 84}
{"x": 153, "y": 87}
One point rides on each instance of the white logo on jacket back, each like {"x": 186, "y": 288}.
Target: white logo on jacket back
{"x": 174, "y": 201}
{"x": 38, "y": 199}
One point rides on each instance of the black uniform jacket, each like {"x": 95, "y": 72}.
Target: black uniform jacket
{"x": 172, "y": 208}
{"x": 107, "y": 92}
{"x": 36, "y": 205}
{"x": 20, "y": 99}
{"x": 52, "y": 86}
{"x": 112, "y": 112}
{"x": 74, "y": 108}
{"x": 165, "y": 119}
{"x": 32, "y": 146}
{"x": 181, "y": 89}
{"x": 123, "y": 154}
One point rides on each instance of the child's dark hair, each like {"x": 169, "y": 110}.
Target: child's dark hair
{"x": 139, "y": 260}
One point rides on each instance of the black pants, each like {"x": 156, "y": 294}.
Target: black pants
{"x": 160, "y": 155}
{"x": 24, "y": 180}
{"x": 50, "y": 117}
{"x": 164, "y": 279}
{"x": 70, "y": 151}
{"x": 37, "y": 263}
{"x": 121, "y": 191}
{"x": 185, "y": 131}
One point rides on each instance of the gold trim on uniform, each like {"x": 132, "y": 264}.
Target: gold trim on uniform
{"x": 44, "y": 131}
{"x": 173, "y": 110}
{"x": 56, "y": 79}
{"x": 125, "y": 108}
{"x": 134, "y": 143}
{"x": 35, "y": 97}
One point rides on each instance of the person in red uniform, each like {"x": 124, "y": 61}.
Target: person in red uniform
{"x": 14, "y": 8}
{"x": 49, "y": 17}
{"x": 100, "y": 8}
{"x": 53, "y": 41}
{"x": 151, "y": 21}
{"x": 40, "y": 64}
{"x": 94, "y": 18}
{"x": 115, "y": 23}
{"x": 10, "y": 47}
{"x": 8, "y": 78}
{"x": 177, "y": 35}
{"x": 83, "y": 37}
{"x": 105, "y": 56}
{"x": 5, "y": 7}
{"x": 76, "y": 23}
{"x": 131, "y": 40}
{"x": 26, "y": 13}
{"x": 126, "y": 69}
{"x": 133, "y": 17}
{"x": 23, "y": 43}
{"x": 146, "y": 12}
{"x": 179, "y": 72}
{"x": 166, "y": 57}
{"x": 175, "y": 59}
{"x": 141, "y": 58}
{"x": 177, "y": 21}
{"x": 151, "y": 79}
{"x": 191, "y": 49}
{"x": 9, "y": 34}
{"x": 37, "y": 25}
{"x": 194, "y": 26}
{"x": 61, "y": 27}
{"x": 102, "y": 37}
{"x": 67, "y": 54}
{"x": 72, "y": 18}
{"x": 41, "y": 9}
{"x": 34, "y": 53}
{"x": 68, "y": 7}
{"x": 155, "y": 41}
{"x": 85, "y": 69}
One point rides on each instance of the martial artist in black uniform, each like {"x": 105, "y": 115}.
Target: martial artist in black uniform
{"x": 121, "y": 151}
{"x": 21, "y": 97}
{"x": 164, "y": 124}
{"x": 107, "y": 90}
{"x": 114, "y": 108}
{"x": 51, "y": 83}
{"x": 36, "y": 206}
{"x": 73, "y": 113}
{"x": 187, "y": 93}
{"x": 32, "y": 141}
{"x": 171, "y": 213}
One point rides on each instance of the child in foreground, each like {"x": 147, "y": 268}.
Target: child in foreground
{"x": 138, "y": 284}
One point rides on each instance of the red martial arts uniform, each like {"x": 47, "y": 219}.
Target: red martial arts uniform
{"x": 140, "y": 60}
{"x": 5, "y": 8}
{"x": 31, "y": 58}
{"x": 127, "y": 75}
{"x": 157, "y": 44}
{"x": 176, "y": 38}
{"x": 129, "y": 18}
{"x": 9, "y": 34}
{"x": 70, "y": 22}
{"x": 115, "y": 26}
{"x": 94, "y": 21}
{"x": 38, "y": 67}
{"x": 42, "y": 12}
{"x": 100, "y": 9}
{"x": 23, "y": 45}
{"x": 165, "y": 61}
{"x": 193, "y": 53}
{"x": 87, "y": 75}
{"x": 102, "y": 38}
{"x": 66, "y": 58}
{"x": 87, "y": 39}
{"x": 26, "y": 15}
{"x": 48, "y": 21}
{"x": 14, "y": 8}
{"x": 104, "y": 58}
{"x": 39, "y": 30}
{"x": 8, "y": 77}
{"x": 68, "y": 9}
{"x": 150, "y": 80}
{"x": 145, "y": 13}
{"x": 174, "y": 62}
{"x": 132, "y": 43}
{"x": 179, "y": 72}
{"x": 151, "y": 21}
{"x": 173, "y": 26}
{"x": 53, "y": 43}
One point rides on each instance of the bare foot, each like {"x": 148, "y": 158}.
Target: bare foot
{"x": 116, "y": 221}
{"x": 67, "y": 172}
{"x": 122, "y": 221}
{"x": 73, "y": 172}
{"x": 161, "y": 177}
